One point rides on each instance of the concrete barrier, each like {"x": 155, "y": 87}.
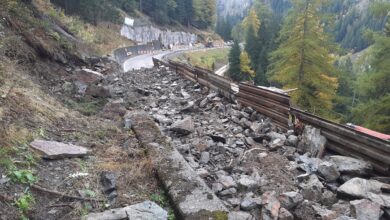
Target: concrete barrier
{"x": 191, "y": 197}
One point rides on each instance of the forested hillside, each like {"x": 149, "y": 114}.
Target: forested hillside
{"x": 198, "y": 13}
{"x": 310, "y": 45}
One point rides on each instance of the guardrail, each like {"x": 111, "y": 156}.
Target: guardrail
{"x": 347, "y": 141}
{"x": 271, "y": 104}
{"x": 341, "y": 139}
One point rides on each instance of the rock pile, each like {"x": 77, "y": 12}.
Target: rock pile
{"x": 258, "y": 170}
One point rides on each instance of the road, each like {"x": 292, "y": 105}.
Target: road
{"x": 143, "y": 61}
{"x": 146, "y": 61}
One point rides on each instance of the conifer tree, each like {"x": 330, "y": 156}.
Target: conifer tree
{"x": 246, "y": 73}
{"x": 374, "y": 109}
{"x": 234, "y": 62}
{"x": 303, "y": 59}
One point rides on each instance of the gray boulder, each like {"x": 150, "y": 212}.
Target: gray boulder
{"x": 290, "y": 200}
{"x": 365, "y": 210}
{"x": 312, "y": 142}
{"x": 328, "y": 171}
{"x": 351, "y": 166}
{"x": 183, "y": 127}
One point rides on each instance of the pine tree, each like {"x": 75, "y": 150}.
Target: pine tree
{"x": 234, "y": 62}
{"x": 246, "y": 73}
{"x": 251, "y": 25}
{"x": 303, "y": 59}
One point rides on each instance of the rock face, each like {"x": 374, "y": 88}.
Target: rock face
{"x": 143, "y": 33}
{"x": 147, "y": 211}
{"x": 57, "y": 150}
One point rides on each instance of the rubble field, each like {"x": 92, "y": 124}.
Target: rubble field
{"x": 256, "y": 169}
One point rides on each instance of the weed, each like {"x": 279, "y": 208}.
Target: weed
{"x": 22, "y": 176}
{"x": 171, "y": 214}
{"x": 160, "y": 198}
{"x": 87, "y": 107}
{"x": 24, "y": 203}
{"x": 5, "y": 159}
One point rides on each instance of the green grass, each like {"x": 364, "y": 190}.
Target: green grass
{"x": 24, "y": 203}
{"x": 206, "y": 59}
{"x": 87, "y": 108}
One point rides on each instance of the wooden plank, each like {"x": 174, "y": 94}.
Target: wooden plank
{"x": 267, "y": 103}
{"x": 266, "y": 93}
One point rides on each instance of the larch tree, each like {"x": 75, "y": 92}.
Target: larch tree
{"x": 303, "y": 59}
{"x": 246, "y": 73}
{"x": 251, "y": 26}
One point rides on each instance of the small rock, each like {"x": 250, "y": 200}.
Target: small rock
{"x": 108, "y": 181}
{"x": 228, "y": 192}
{"x": 247, "y": 183}
{"x": 284, "y": 214}
{"x": 323, "y": 213}
{"x": 273, "y": 135}
{"x": 276, "y": 144}
{"x": 271, "y": 205}
{"x": 328, "y": 171}
{"x": 248, "y": 204}
{"x": 143, "y": 91}
{"x": 328, "y": 198}
{"x": 365, "y": 209}
{"x": 227, "y": 181}
{"x": 202, "y": 172}
{"x": 290, "y": 200}
{"x": 204, "y": 158}
{"x": 312, "y": 188}
{"x": 292, "y": 140}
{"x": 217, "y": 187}
{"x": 234, "y": 201}
{"x": 203, "y": 103}
{"x": 239, "y": 216}
{"x": 183, "y": 127}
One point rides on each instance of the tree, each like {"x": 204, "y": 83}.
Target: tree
{"x": 251, "y": 26}
{"x": 374, "y": 90}
{"x": 303, "y": 59}
{"x": 234, "y": 62}
{"x": 246, "y": 73}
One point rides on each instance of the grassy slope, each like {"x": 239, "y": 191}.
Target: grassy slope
{"x": 105, "y": 37}
{"x": 206, "y": 59}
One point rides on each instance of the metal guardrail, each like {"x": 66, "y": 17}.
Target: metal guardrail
{"x": 341, "y": 139}
{"x": 271, "y": 104}
{"x": 349, "y": 142}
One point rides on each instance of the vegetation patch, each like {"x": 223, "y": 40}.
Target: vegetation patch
{"x": 208, "y": 59}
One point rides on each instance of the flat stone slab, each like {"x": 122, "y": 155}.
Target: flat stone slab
{"x": 142, "y": 211}
{"x": 57, "y": 150}
{"x": 190, "y": 195}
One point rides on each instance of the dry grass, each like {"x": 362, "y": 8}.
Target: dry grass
{"x": 104, "y": 37}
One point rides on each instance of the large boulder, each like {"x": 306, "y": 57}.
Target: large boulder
{"x": 351, "y": 166}
{"x": 312, "y": 141}
{"x": 360, "y": 188}
{"x": 147, "y": 210}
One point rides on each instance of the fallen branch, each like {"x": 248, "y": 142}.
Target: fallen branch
{"x": 36, "y": 187}
{"x": 248, "y": 151}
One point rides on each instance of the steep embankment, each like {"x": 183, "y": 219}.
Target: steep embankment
{"x": 51, "y": 89}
